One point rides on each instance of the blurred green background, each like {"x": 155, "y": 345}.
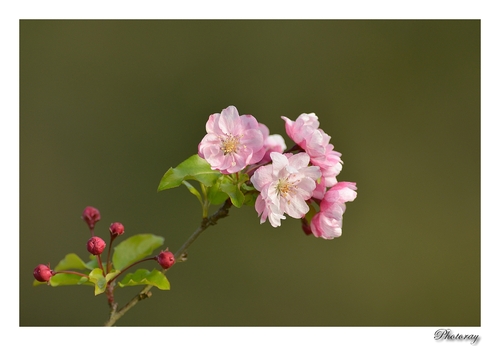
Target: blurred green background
{"x": 108, "y": 106}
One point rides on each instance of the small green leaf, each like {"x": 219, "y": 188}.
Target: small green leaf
{"x": 193, "y": 190}
{"x": 71, "y": 261}
{"x": 214, "y": 195}
{"x": 194, "y": 168}
{"x": 145, "y": 277}
{"x": 67, "y": 280}
{"x": 135, "y": 248}
{"x": 228, "y": 186}
{"x": 250, "y": 199}
{"x": 242, "y": 178}
{"x": 112, "y": 274}
{"x": 98, "y": 280}
{"x": 93, "y": 263}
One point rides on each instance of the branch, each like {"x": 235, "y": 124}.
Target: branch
{"x": 222, "y": 212}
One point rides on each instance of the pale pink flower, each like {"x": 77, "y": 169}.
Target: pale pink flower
{"x": 306, "y": 133}
{"x": 232, "y": 141}
{"x": 327, "y": 223}
{"x": 301, "y": 130}
{"x": 285, "y": 186}
{"x": 272, "y": 143}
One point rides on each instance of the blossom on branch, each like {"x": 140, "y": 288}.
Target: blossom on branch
{"x": 232, "y": 141}
{"x": 327, "y": 223}
{"x": 285, "y": 186}
{"x": 315, "y": 142}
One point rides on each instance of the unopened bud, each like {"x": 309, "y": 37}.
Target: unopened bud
{"x": 116, "y": 228}
{"x": 91, "y": 215}
{"x": 96, "y": 245}
{"x": 42, "y": 273}
{"x": 165, "y": 259}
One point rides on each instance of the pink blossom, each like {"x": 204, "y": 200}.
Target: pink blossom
{"x": 327, "y": 223}
{"x": 272, "y": 143}
{"x": 301, "y": 130}
{"x": 285, "y": 186}
{"x": 232, "y": 141}
{"x": 306, "y": 133}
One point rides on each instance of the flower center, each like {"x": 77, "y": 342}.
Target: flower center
{"x": 230, "y": 144}
{"x": 284, "y": 187}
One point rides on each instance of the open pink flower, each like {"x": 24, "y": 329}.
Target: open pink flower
{"x": 285, "y": 186}
{"x": 232, "y": 141}
{"x": 306, "y": 133}
{"x": 327, "y": 223}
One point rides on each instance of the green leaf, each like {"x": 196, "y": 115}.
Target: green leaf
{"x": 145, "y": 277}
{"x": 228, "y": 186}
{"x": 71, "y": 261}
{"x": 194, "y": 168}
{"x": 112, "y": 274}
{"x": 93, "y": 263}
{"x": 98, "y": 280}
{"x": 242, "y": 178}
{"x": 250, "y": 199}
{"x": 65, "y": 280}
{"x": 193, "y": 190}
{"x": 135, "y": 248}
{"x": 250, "y": 194}
{"x": 215, "y": 195}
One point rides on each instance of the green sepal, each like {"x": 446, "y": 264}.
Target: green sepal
{"x": 194, "y": 168}
{"x": 98, "y": 280}
{"x": 145, "y": 277}
{"x": 135, "y": 248}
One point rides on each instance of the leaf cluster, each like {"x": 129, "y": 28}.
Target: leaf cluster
{"x": 127, "y": 253}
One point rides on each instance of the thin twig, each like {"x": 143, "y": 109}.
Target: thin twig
{"x": 222, "y": 212}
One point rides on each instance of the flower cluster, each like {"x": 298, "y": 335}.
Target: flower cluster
{"x": 301, "y": 182}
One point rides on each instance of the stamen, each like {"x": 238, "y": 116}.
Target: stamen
{"x": 284, "y": 188}
{"x": 230, "y": 144}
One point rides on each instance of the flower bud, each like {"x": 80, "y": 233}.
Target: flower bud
{"x": 116, "y": 229}
{"x": 96, "y": 245}
{"x": 165, "y": 259}
{"x": 91, "y": 215}
{"x": 42, "y": 273}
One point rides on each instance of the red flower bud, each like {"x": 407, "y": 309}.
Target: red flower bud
{"x": 96, "y": 245}
{"x": 91, "y": 215}
{"x": 165, "y": 259}
{"x": 42, "y": 273}
{"x": 116, "y": 228}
